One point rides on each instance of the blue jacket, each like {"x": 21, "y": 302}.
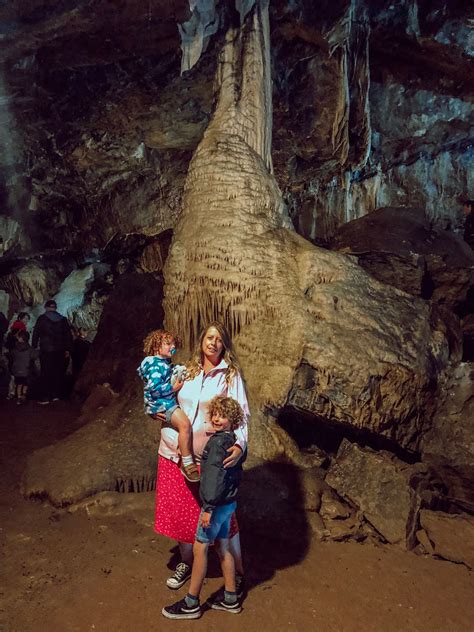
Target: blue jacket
{"x": 158, "y": 393}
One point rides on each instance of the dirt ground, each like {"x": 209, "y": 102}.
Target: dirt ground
{"x": 77, "y": 572}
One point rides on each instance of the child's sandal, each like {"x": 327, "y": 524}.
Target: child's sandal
{"x": 190, "y": 472}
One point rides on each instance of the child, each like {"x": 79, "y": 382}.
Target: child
{"x": 21, "y": 356}
{"x": 218, "y": 493}
{"x": 21, "y": 322}
{"x": 159, "y": 394}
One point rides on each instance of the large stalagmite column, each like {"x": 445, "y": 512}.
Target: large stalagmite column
{"x": 311, "y": 328}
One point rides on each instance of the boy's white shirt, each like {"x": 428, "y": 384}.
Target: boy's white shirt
{"x": 193, "y": 399}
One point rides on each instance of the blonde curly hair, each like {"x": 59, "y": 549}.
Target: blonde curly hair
{"x": 154, "y": 340}
{"x": 195, "y": 365}
{"x": 228, "y": 408}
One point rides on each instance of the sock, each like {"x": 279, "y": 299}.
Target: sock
{"x": 187, "y": 460}
{"x": 230, "y": 597}
{"x": 191, "y": 600}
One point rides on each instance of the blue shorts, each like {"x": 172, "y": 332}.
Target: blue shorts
{"x": 169, "y": 412}
{"x": 220, "y": 524}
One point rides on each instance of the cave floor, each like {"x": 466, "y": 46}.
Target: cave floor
{"x": 83, "y": 571}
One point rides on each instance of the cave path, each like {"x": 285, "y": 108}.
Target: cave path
{"x": 64, "y": 572}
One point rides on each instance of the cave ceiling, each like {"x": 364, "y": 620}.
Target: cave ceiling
{"x": 99, "y": 125}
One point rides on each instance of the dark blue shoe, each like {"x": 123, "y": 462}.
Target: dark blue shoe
{"x": 180, "y": 610}
{"x": 221, "y": 604}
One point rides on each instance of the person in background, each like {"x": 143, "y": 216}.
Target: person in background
{"x": 21, "y": 322}
{"x": 22, "y": 357}
{"x": 53, "y": 335}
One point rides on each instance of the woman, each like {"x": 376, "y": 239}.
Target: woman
{"x": 213, "y": 370}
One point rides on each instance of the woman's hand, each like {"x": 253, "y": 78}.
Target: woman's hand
{"x": 205, "y": 519}
{"x": 177, "y": 386}
{"x": 234, "y": 456}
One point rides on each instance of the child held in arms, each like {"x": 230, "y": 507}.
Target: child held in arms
{"x": 218, "y": 492}
{"x": 159, "y": 393}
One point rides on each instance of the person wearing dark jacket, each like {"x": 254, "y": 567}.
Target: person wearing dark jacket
{"x": 218, "y": 492}
{"x": 53, "y": 334}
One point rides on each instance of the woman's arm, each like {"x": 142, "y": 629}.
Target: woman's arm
{"x": 237, "y": 391}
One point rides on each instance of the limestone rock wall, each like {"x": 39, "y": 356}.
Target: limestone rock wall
{"x": 98, "y": 127}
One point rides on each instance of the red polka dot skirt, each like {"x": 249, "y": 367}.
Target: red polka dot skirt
{"x": 177, "y": 504}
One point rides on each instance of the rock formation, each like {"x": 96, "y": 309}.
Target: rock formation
{"x": 106, "y": 150}
{"x": 326, "y": 336}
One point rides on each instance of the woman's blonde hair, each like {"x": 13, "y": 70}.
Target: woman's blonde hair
{"x": 196, "y": 363}
{"x": 154, "y": 340}
{"x": 228, "y": 408}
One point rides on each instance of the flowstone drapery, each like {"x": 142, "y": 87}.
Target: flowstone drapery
{"x": 311, "y": 328}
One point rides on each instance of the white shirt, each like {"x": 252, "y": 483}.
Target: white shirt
{"x": 193, "y": 399}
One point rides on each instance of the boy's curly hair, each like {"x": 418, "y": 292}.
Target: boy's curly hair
{"x": 228, "y": 408}
{"x": 154, "y": 340}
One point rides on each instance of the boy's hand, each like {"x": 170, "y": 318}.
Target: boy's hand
{"x": 205, "y": 519}
{"x": 234, "y": 456}
{"x": 177, "y": 386}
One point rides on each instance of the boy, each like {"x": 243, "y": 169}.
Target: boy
{"x": 218, "y": 492}
{"x": 159, "y": 394}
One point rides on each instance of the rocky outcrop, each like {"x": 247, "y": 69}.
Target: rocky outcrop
{"x": 448, "y": 445}
{"x": 382, "y": 487}
{"x": 399, "y": 246}
{"x": 114, "y": 450}
{"x": 451, "y": 436}
{"x": 451, "y": 535}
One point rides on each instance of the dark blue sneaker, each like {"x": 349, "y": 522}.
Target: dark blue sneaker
{"x": 220, "y": 604}
{"x": 240, "y": 589}
{"x": 180, "y": 610}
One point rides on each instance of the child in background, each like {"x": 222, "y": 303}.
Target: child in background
{"x": 218, "y": 492}
{"x": 160, "y": 394}
{"x": 22, "y": 357}
{"x": 21, "y": 322}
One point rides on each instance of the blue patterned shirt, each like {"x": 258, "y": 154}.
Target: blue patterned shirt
{"x": 158, "y": 393}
